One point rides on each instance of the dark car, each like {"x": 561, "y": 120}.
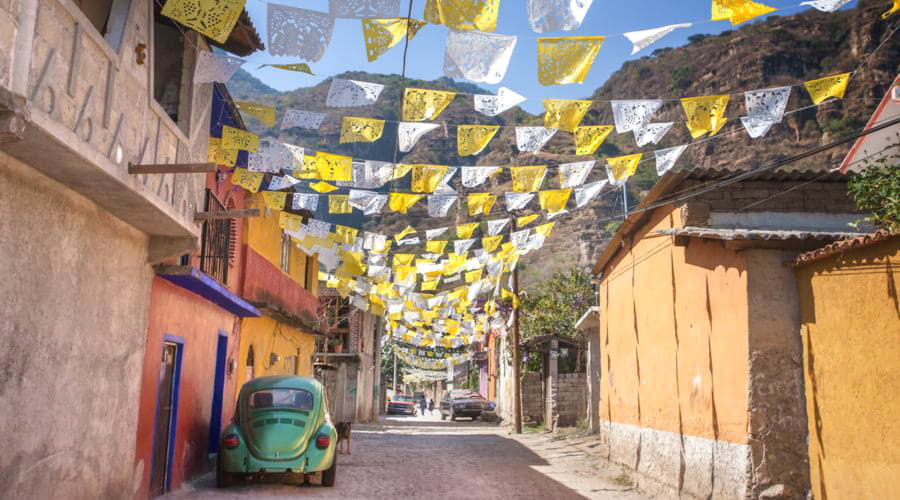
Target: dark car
{"x": 461, "y": 403}
{"x": 401, "y": 404}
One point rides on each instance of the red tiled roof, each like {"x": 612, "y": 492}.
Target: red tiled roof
{"x": 840, "y": 247}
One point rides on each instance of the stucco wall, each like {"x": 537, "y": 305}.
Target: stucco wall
{"x": 674, "y": 361}
{"x": 75, "y": 293}
{"x": 181, "y": 313}
{"x": 777, "y": 425}
{"x": 850, "y": 325}
{"x": 269, "y": 336}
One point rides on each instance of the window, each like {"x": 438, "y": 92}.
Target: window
{"x": 312, "y": 272}
{"x": 215, "y": 246}
{"x": 250, "y": 362}
{"x": 285, "y": 253}
{"x": 97, "y": 11}
{"x": 167, "y": 59}
{"x": 292, "y": 399}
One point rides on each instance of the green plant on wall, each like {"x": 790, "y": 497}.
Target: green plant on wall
{"x": 876, "y": 190}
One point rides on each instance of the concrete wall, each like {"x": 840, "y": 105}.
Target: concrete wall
{"x": 179, "y": 312}
{"x": 674, "y": 363}
{"x": 75, "y": 293}
{"x": 532, "y": 398}
{"x": 778, "y": 450}
{"x": 268, "y": 336}
{"x": 851, "y": 354}
{"x": 571, "y": 398}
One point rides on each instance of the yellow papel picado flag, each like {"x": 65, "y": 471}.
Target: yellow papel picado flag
{"x": 265, "y": 114}
{"x": 435, "y": 246}
{"x": 426, "y": 178}
{"x": 219, "y": 155}
{"x": 623, "y": 167}
{"x": 212, "y": 19}
{"x": 564, "y": 60}
{"x": 464, "y": 231}
{"x": 525, "y": 220}
{"x": 355, "y": 129}
{"x": 895, "y": 8}
{"x": 345, "y": 234}
{"x": 589, "y": 138}
{"x": 402, "y": 202}
{"x": 289, "y": 221}
{"x": 382, "y": 34}
{"x": 339, "y": 204}
{"x": 274, "y": 200}
{"x": 472, "y": 139}
{"x": 403, "y": 234}
{"x": 235, "y": 138}
{"x": 564, "y": 114}
{"x": 554, "y": 200}
{"x": 705, "y": 114}
{"x": 424, "y": 104}
{"x": 296, "y": 67}
{"x": 322, "y": 187}
{"x": 490, "y": 243}
{"x": 830, "y": 86}
{"x": 307, "y": 168}
{"x": 738, "y": 11}
{"x": 251, "y": 181}
{"x": 331, "y": 167}
{"x": 544, "y": 229}
{"x": 481, "y": 203}
{"x": 528, "y": 179}
{"x": 463, "y": 15}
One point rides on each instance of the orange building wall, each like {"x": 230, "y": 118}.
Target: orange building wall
{"x": 179, "y": 312}
{"x": 665, "y": 373}
{"x": 851, "y": 341}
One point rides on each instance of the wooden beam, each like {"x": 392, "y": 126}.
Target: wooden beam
{"x": 226, "y": 214}
{"x": 172, "y": 168}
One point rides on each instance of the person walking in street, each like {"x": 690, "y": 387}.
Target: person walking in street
{"x": 422, "y": 405}
{"x": 431, "y": 406}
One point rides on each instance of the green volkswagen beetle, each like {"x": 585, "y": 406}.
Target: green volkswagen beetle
{"x": 281, "y": 428}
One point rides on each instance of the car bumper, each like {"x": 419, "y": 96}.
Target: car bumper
{"x": 401, "y": 411}
{"x": 467, "y": 412}
{"x": 241, "y": 461}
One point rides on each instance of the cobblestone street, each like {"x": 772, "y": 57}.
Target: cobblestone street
{"x": 424, "y": 457}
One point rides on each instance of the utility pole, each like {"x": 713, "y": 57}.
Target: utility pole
{"x": 395, "y": 373}
{"x": 517, "y": 392}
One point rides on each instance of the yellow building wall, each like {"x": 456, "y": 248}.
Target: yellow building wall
{"x": 851, "y": 340}
{"x": 268, "y": 336}
{"x": 263, "y": 235}
{"x": 674, "y": 335}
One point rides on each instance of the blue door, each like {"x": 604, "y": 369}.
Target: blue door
{"x": 215, "y": 416}
{"x": 166, "y": 415}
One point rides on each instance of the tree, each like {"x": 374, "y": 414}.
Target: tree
{"x": 556, "y": 305}
{"x": 876, "y": 189}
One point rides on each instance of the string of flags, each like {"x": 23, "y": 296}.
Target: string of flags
{"x": 472, "y": 50}
{"x": 451, "y": 291}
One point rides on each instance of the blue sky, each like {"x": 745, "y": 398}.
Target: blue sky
{"x": 425, "y": 59}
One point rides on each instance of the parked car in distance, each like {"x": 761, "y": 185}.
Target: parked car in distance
{"x": 401, "y": 404}
{"x": 281, "y": 429}
{"x": 461, "y": 403}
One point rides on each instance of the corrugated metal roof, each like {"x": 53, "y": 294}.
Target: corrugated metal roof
{"x": 731, "y": 234}
{"x": 840, "y": 247}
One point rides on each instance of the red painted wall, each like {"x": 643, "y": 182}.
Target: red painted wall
{"x": 179, "y": 312}
{"x": 264, "y": 282}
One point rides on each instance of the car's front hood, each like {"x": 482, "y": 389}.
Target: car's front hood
{"x": 279, "y": 435}
{"x": 467, "y": 402}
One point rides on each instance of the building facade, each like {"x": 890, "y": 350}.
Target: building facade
{"x": 84, "y": 92}
{"x": 701, "y": 381}
{"x": 851, "y": 361}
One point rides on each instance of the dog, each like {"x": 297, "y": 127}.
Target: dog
{"x": 343, "y": 435}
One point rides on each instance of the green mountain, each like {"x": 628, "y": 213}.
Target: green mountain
{"x": 774, "y": 52}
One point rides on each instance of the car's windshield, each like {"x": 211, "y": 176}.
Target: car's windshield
{"x": 403, "y": 398}
{"x": 292, "y": 399}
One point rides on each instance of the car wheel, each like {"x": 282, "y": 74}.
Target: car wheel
{"x": 443, "y": 416}
{"x": 328, "y": 475}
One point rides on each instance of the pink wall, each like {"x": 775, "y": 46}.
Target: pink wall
{"x": 179, "y": 312}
